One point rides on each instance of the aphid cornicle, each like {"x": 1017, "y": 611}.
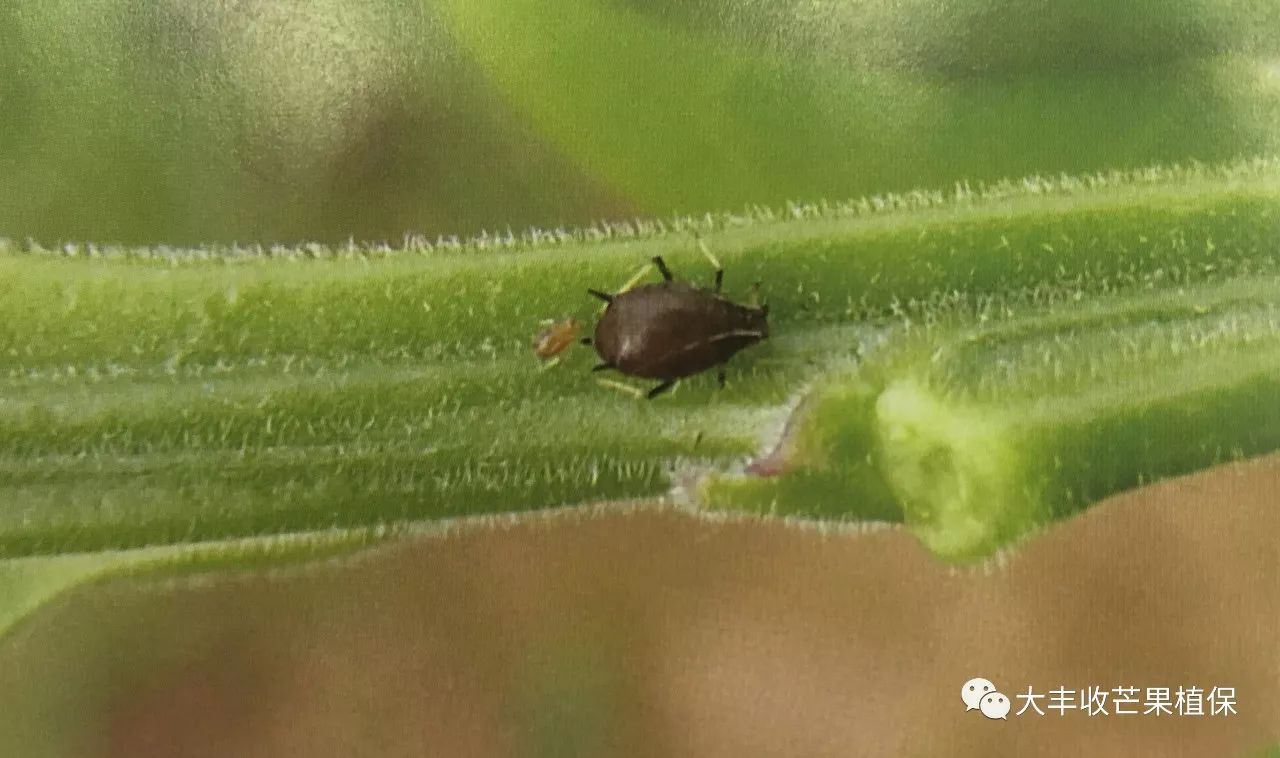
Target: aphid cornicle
{"x": 671, "y": 330}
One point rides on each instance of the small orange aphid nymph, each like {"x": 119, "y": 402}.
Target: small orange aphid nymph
{"x": 556, "y": 337}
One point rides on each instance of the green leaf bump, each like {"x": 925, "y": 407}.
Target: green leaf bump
{"x": 978, "y": 433}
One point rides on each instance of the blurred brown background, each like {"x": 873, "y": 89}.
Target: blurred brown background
{"x": 647, "y": 631}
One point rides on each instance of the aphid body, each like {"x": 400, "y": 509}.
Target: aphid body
{"x": 671, "y": 330}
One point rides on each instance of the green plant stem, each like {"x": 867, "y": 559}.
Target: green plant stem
{"x": 976, "y": 434}
{"x": 157, "y": 396}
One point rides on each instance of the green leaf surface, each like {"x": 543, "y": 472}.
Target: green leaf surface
{"x": 985, "y": 36}
{"x": 128, "y": 121}
{"x": 27, "y": 583}
{"x": 682, "y": 116}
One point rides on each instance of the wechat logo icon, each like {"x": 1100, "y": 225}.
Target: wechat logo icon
{"x": 981, "y": 695}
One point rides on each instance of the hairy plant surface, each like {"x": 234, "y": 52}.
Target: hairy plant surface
{"x": 164, "y": 397}
{"x": 975, "y": 434}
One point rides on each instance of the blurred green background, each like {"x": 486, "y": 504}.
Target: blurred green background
{"x": 190, "y": 121}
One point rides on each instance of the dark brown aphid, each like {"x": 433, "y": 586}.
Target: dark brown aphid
{"x": 671, "y": 330}
{"x": 556, "y": 338}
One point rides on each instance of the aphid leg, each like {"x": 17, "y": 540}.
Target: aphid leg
{"x": 715, "y": 263}
{"x": 754, "y": 300}
{"x": 550, "y": 364}
{"x": 634, "y": 392}
{"x": 602, "y": 367}
{"x": 720, "y": 378}
{"x": 662, "y": 268}
{"x": 602, "y": 295}
{"x": 661, "y": 388}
